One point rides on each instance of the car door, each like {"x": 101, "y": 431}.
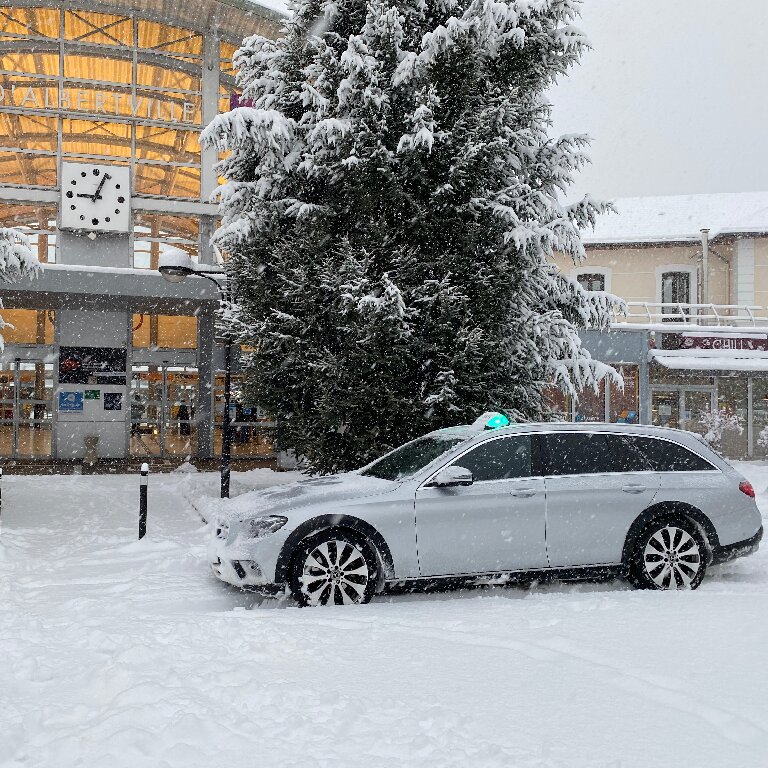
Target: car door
{"x": 596, "y": 485}
{"x": 496, "y": 524}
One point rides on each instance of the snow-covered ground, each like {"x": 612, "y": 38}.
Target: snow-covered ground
{"x": 115, "y": 653}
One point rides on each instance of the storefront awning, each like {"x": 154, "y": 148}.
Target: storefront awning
{"x": 714, "y": 360}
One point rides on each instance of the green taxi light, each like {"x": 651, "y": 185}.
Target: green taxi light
{"x": 496, "y": 421}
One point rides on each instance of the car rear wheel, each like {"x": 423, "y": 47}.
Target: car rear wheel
{"x": 334, "y": 567}
{"x": 670, "y": 553}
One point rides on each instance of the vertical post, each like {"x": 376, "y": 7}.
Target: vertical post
{"x": 750, "y": 424}
{"x": 1, "y": 498}
{"x": 705, "y": 266}
{"x": 226, "y": 431}
{"x": 143, "y": 500}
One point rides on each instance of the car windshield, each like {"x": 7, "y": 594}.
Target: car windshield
{"x": 411, "y": 457}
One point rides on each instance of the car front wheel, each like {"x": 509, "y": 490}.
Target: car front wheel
{"x": 670, "y": 553}
{"x": 334, "y": 567}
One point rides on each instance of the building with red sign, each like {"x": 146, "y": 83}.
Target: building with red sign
{"x": 693, "y": 270}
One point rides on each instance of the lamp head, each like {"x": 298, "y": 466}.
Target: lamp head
{"x": 175, "y": 265}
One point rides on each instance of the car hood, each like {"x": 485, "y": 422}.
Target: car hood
{"x": 304, "y": 493}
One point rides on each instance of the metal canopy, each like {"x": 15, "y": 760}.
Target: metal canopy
{"x": 140, "y": 290}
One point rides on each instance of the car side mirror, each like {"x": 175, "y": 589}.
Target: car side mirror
{"x": 452, "y": 476}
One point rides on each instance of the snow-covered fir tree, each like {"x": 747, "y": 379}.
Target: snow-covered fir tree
{"x": 391, "y": 207}
{"x": 17, "y": 261}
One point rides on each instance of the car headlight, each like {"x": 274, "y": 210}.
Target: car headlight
{"x": 258, "y": 527}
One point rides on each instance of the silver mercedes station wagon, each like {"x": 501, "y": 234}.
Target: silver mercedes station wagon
{"x": 470, "y": 505}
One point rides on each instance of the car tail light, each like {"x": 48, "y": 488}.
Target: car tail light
{"x": 746, "y": 487}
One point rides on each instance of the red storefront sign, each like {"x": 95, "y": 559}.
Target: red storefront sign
{"x": 742, "y": 343}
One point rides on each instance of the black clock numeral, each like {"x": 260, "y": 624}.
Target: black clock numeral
{"x": 72, "y": 207}
{"x": 83, "y": 174}
{"x": 69, "y": 193}
{"x": 73, "y": 183}
{"x": 117, "y": 210}
{"x": 96, "y": 171}
{"x": 94, "y": 222}
{"x": 117, "y": 186}
{"x": 82, "y": 218}
{"x": 107, "y": 219}
{"x": 120, "y": 199}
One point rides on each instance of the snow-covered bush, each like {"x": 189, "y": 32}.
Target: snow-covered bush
{"x": 392, "y": 206}
{"x": 717, "y": 423}
{"x": 762, "y": 438}
{"x": 17, "y": 261}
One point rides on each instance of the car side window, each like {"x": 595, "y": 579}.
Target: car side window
{"x": 590, "y": 453}
{"x": 501, "y": 459}
{"x": 666, "y": 456}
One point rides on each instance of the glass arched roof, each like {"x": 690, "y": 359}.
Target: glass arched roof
{"x": 114, "y": 87}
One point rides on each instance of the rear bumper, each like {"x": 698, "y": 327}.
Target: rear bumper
{"x": 739, "y": 549}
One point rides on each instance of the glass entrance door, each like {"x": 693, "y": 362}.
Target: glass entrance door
{"x": 681, "y": 407}
{"x": 162, "y": 411}
{"x": 696, "y": 404}
{"x": 665, "y": 408}
{"x": 26, "y": 408}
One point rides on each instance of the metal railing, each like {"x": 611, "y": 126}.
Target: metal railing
{"x": 739, "y": 315}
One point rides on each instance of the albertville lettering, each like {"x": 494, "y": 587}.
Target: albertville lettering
{"x": 97, "y": 102}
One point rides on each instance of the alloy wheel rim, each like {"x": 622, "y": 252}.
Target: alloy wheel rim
{"x": 335, "y": 573}
{"x": 672, "y": 558}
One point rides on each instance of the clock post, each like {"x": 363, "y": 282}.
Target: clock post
{"x": 94, "y": 344}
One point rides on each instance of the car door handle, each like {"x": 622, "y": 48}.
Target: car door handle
{"x": 633, "y": 488}
{"x": 524, "y": 492}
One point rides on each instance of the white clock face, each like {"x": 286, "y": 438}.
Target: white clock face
{"x": 95, "y": 197}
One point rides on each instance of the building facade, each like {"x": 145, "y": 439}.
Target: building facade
{"x": 694, "y": 273}
{"x": 101, "y": 109}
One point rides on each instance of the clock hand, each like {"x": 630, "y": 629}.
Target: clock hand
{"x": 103, "y": 181}
{"x": 83, "y": 194}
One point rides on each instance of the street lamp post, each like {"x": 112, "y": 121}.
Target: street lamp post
{"x": 175, "y": 267}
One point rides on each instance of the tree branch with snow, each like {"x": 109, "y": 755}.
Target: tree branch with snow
{"x": 17, "y": 262}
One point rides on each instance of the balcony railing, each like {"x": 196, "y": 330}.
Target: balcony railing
{"x": 649, "y": 313}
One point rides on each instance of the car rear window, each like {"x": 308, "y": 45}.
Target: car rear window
{"x": 589, "y": 453}
{"x": 666, "y": 456}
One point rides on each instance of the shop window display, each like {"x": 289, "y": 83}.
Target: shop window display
{"x": 760, "y": 415}
{"x": 590, "y": 404}
{"x": 624, "y": 404}
{"x": 732, "y": 398}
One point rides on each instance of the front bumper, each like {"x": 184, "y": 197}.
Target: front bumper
{"x": 246, "y": 564}
{"x": 728, "y": 552}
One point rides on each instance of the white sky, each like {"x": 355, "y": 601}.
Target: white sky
{"x": 674, "y": 94}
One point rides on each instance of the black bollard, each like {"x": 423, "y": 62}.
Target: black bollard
{"x": 143, "y": 500}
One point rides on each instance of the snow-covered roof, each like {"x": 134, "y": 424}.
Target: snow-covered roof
{"x": 710, "y": 360}
{"x": 279, "y": 6}
{"x": 679, "y": 218}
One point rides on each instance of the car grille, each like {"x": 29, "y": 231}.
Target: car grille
{"x": 242, "y": 567}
